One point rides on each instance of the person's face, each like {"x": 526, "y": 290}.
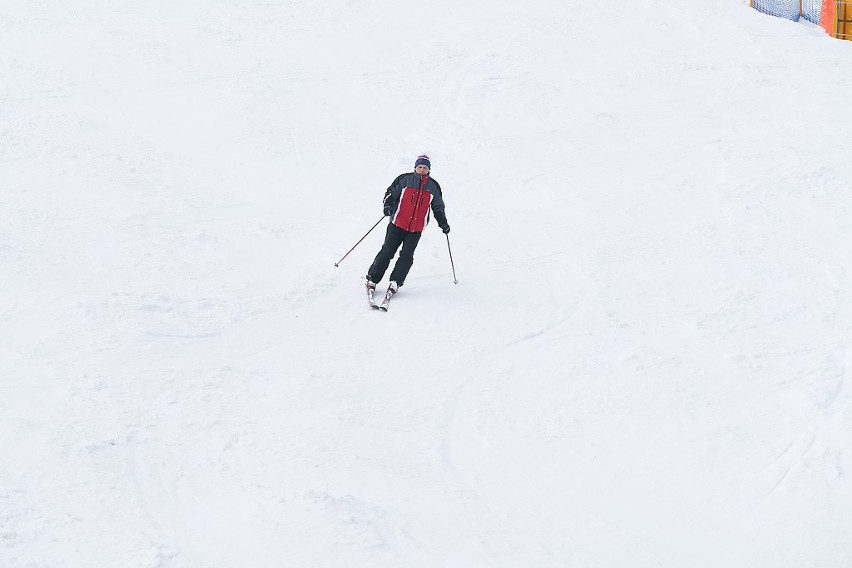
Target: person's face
{"x": 422, "y": 169}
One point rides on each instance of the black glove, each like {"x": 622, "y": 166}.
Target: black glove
{"x": 446, "y": 229}
{"x": 388, "y": 210}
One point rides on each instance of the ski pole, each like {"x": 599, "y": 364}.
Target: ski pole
{"x": 359, "y": 242}
{"x": 455, "y": 280}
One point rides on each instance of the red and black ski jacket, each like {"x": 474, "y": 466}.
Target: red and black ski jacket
{"x": 410, "y": 198}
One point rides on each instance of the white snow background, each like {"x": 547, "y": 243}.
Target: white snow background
{"x": 645, "y": 361}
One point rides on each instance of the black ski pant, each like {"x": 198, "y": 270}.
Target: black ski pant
{"x": 393, "y": 239}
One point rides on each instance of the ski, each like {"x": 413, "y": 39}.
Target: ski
{"x": 371, "y": 289}
{"x": 386, "y": 301}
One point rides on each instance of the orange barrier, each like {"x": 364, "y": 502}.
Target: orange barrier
{"x": 836, "y": 18}
{"x": 844, "y": 20}
{"x": 828, "y": 17}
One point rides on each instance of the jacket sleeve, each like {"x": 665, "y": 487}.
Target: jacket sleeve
{"x": 438, "y": 207}
{"x": 392, "y": 193}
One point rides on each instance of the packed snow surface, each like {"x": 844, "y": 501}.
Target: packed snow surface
{"x": 645, "y": 361}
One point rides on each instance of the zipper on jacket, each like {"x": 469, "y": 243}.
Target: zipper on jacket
{"x": 423, "y": 181}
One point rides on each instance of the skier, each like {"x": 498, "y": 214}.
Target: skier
{"x": 407, "y": 202}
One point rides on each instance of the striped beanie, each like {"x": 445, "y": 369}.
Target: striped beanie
{"x": 423, "y": 159}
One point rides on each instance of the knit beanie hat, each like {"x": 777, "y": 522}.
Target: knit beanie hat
{"x": 423, "y": 159}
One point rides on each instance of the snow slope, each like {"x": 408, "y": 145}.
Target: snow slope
{"x": 645, "y": 362}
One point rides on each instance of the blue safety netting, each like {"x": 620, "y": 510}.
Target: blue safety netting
{"x": 811, "y": 10}
{"x": 782, "y": 8}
